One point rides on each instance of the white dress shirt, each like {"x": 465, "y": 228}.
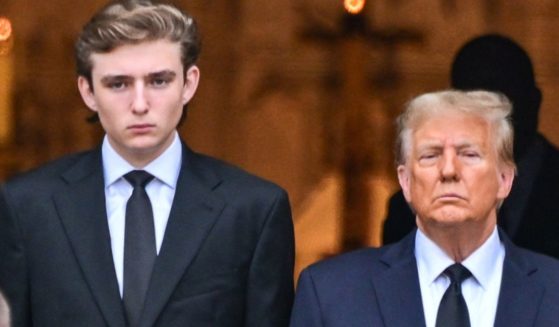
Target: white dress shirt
{"x": 481, "y": 291}
{"x": 161, "y": 191}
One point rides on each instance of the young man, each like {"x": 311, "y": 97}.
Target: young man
{"x": 455, "y": 167}
{"x": 194, "y": 242}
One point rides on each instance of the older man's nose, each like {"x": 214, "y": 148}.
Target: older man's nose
{"x": 449, "y": 166}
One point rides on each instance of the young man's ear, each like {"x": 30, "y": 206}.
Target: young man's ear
{"x": 191, "y": 79}
{"x": 86, "y": 91}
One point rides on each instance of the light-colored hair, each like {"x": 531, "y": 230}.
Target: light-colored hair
{"x": 493, "y": 107}
{"x": 131, "y": 22}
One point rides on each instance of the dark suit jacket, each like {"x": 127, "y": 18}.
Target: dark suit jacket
{"x": 226, "y": 258}
{"x": 537, "y": 227}
{"x": 380, "y": 287}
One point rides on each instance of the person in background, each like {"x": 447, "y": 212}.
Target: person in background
{"x": 455, "y": 166}
{"x": 530, "y": 215}
{"x": 142, "y": 230}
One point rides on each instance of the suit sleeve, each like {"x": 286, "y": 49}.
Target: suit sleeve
{"x": 306, "y": 309}
{"x": 270, "y": 281}
{"x": 13, "y": 268}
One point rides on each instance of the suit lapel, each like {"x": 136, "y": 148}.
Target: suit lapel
{"x": 81, "y": 207}
{"x": 397, "y": 287}
{"x": 520, "y": 294}
{"x": 194, "y": 211}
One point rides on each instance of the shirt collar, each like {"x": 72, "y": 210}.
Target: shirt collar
{"x": 481, "y": 263}
{"x": 165, "y": 168}
{"x": 432, "y": 260}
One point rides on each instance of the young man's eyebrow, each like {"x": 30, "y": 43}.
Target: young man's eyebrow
{"x": 163, "y": 74}
{"x": 114, "y": 78}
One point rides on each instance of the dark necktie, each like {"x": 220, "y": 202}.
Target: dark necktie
{"x": 453, "y": 311}
{"x": 139, "y": 246}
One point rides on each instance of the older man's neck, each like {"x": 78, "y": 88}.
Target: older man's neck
{"x": 458, "y": 241}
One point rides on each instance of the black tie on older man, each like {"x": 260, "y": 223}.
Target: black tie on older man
{"x": 139, "y": 246}
{"x": 453, "y": 311}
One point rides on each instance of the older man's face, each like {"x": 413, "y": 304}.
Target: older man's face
{"x": 452, "y": 175}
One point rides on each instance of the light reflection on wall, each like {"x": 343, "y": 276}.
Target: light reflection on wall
{"x": 354, "y": 6}
{"x": 6, "y": 80}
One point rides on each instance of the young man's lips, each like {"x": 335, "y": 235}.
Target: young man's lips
{"x": 140, "y": 127}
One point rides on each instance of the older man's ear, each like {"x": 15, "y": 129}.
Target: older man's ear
{"x": 404, "y": 180}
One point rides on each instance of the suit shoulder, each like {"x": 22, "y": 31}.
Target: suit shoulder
{"x": 543, "y": 263}
{"x": 538, "y": 267}
{"x": 354, "y": 264}
{"x": 237, "y": 177}
{"x": 43, "y": 174}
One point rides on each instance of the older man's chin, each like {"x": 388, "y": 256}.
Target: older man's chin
{"x": 448, "y": 219}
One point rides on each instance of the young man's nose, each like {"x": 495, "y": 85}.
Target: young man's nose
{"x": 140, "y": 102}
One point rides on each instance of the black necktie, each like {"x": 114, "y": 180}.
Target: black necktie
{"x": 453, "y": 311}
{"x": 139, "y": 246}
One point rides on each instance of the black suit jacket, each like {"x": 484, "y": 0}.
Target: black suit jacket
{"x": 537, "y": 227}
{"x": 380, "y": 287}
{"x": 226, "y": 258}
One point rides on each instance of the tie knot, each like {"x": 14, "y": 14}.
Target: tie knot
{"x": 138, "y": 178}
{"x": 457, "y": 273}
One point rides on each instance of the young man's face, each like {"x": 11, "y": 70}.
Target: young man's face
{"x": 138, "y": 92}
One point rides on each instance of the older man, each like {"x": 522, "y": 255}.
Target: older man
{"x": 455, "y": 166}
{"x": 530, "y": 214}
